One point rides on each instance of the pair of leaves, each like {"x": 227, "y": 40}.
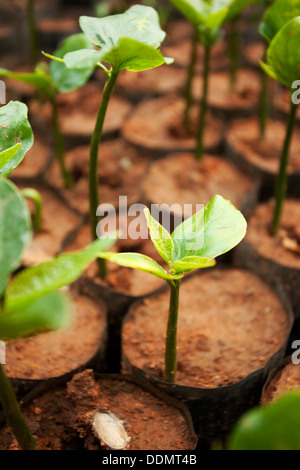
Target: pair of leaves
{"x": 275, "y": 427}
{"x": 16, "y": 136}
{"x": 194, "y": 244}
{"x": 126, "y": 41}
{"x": 277, "y": 15}
{"x": 283, "y": 54}
{"x": 59, "y": 78}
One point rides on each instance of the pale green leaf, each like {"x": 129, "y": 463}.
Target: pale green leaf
{"x": 47, "y": 313}
{"x": 283, "y": 54}
{"x": 64, "y": 79}
{"x": 209, "y": 233}
{"x": 16, "y": 136}
{"x": 47, "y": 277}
{"x": 277, "y": 15}
{"x": 160, "y": 237}
{"x": 140, "y": 262}
{"x": 189, "y": 263}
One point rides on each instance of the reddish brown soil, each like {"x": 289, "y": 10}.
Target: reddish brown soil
{"x": 254, "y": 53}
{"x": 177, "y": 31}
{"x": 285, "y": 248}
{"x": 120, "y": 172}
{"x": 78, "y": 111}
{"x": 285, "y": 381}
{"x": 58, "y": 221}
{"x": 244, "y": 97}
{"x": 15, "y": 89}
{"x": 180, "y": 179}
{"x": 158, "y": 81}
{"x": 156, "y": 125}
{"x": 58, "y": 352}
{"x": 35, "y": 161}
{"x": 181, "y": 54}
{"x": 264, "y": 154}
{"x": 61, "y": 419}
{"x": 282, "y": 101}
{"x": 230, "y": 323}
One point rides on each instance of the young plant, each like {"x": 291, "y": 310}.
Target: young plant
{"x": 275, "y": 17}
{"x": 207, "y": 17}
{"x": 194, "y": 244}
{"x": 59, "y": 79}
{"x": 283, "y": 57}
{"x": 30, "y": 301}
{"x": 128, "y": 41}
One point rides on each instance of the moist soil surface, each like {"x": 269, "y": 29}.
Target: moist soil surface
{"x": 61, "y": 419}
{"x": 36, "y": 161}
{"x": 244, "y": 140}
{"x": 156, "y": 125}
{"x": 179, "y": 178}
{"x": 57, "y": 352}
{"x": 230, "y": 324}
{"x": 285, "y": 247}
{"x": 120, "y": 172}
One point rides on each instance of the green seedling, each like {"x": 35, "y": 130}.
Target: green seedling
{"x": 283, "y": 57}
{"x": 208, "y": 17}
{"x": 58, "y": 79}
{"x": 274, "y": 18}
{"x": 31, "y": 301}
{"x": 194, "y": 244}
{"x": 128, "y": 41}
{"x": 274, "y": 427}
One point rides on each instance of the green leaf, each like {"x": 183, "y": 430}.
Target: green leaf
{"x": 275, "y": 427}
{"x": 140, "y": 262}
{"x": 83, "y": 58}
{"x": 161, "y": 238}
{"x": 283, "y": 54}
{"x": 38, "y": 79}
{"x": 15, "y": 230}
{"x": 47, "y": 277}
{"x": 47, "y": 313}
{"x": 216, "y": 229}
{"x": 16, "y": 136}
{"x": 64, "y": 79}
{"x": 189, "y": 263}
{"x": 134, "y": 56}
{"x": 7, "y": 155}
{"x": 129, "y": 40}
{"x": 277, "y": 15}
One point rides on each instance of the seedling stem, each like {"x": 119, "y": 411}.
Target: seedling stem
{"x": 93, "y": 166}
{"x": 171, "y": 339}
{"x": 189, "y": 82}
{"x": 201, "y": 122}
{"x": 281, "y": 182}
{"x": 13, "y": 414}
